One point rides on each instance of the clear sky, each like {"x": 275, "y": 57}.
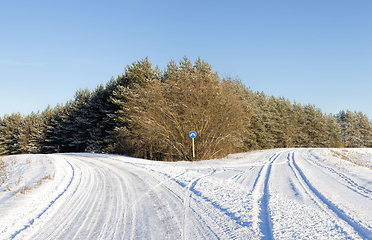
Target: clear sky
{"x": 310, "y": 51}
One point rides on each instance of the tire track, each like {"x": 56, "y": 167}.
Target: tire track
{"x": 212, "y": 220}
{"x": 180, "y": 191}
{"x": 73, "y": 206}
{"x": 262, "y": 223}
{"x": 32, "y": 221}
{"x": 219, "y": 221}
{"x": 186, "y": 202}
{"x": 349, "y": 183}
{"x": 260, "y": 191}
{"x": 238, "y": 176}
{"x": 100, "y": 212}
{"x": 111, "y": 210}
{"x": 114, "y": 228}
{"x": 162, "y": 209}
{"x": 165, "y": 215}
{"x": 326, "y": 205}
{"x": 80, "y": 212}
{"x": 114, "y": 198}
{"x": 94, "y": 223}
{"x": 83, "y": 221}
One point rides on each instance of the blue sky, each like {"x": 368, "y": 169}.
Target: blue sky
{"x": 316, "y": 52}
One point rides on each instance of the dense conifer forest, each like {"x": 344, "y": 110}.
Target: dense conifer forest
{"x": 147, "y": 112}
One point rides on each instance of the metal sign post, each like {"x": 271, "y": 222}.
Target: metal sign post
{"x": 193, "y": 135}
{"x": 193, "y": 148}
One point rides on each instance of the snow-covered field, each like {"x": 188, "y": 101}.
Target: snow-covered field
{"x": 271, "y": 194}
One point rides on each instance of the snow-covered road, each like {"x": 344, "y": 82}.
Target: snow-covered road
{"x": 271, "y": 194}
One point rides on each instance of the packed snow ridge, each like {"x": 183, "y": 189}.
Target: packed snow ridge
{"x": 271, "y": 194}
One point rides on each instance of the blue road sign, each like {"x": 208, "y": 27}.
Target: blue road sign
{"x": 192, "y": 134}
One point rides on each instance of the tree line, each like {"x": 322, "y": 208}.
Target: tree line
{"x": 147, "y": 112}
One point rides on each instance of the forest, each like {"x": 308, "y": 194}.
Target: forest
{"x": 147, "y": 112}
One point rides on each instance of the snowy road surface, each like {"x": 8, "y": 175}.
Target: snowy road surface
{"x": 271, "y": 194}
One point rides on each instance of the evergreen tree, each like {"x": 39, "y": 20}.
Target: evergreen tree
{"x": 299, "y": 118}
{"x": 9, "y": 134}
{"x": 313, "y": 127}
{"x": 146, "y": 112}
{"x": 341, "y": 119}
{"x": 39, "y": 133}
{"x": 136, "y": 75}
{"x": 80, "y": 123}
{"x": 364, "y": 130}
{"x": 332, "y": 132}
{"x": 55, "y": 133}
{"x": 102, "y": 124}
{"x": 256, "y": 131}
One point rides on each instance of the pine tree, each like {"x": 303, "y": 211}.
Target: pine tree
{"x": 353, "y": 139}
{"x": 364, "y": 130}
{"x": 341, "y": 119}
{"x": 9, "y": 134}
{"x": 80, "y": 121}
{"x": 256, "y": 131}
{"x": 332, "y": 132}
{"x": 299, "y": 118}
{"x": 56, "y": 133}
{"x": 23, "y": 138}
{"x": 136, "y": 75}
{"x": 313, "y": 127}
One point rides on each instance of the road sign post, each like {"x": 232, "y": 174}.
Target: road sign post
{"x": 193, "y": 148}
{"x": 193, "y": 135}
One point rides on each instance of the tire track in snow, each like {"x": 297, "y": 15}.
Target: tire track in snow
{"x": 218, "y": 222}
{"x": 73, "y": 206}
{"x": 32, "y": 221}
{"x": 208, "y": 232}
{"x": 197, "y": 203}
{"x": 260, "y": 191}
{"x": 352, "y": 185}
{"x": 219, "y": 217}
{"x": 115, "y": 230}
{"x": 165, "y": 214}
{"x": 161, "y": 205}
{"x": 77, "y": 206}
{"x": 326, "y": 205}
{"x": 199, "y": 199}
{"x": 163, "y": 187}
{"x": 87, "y": 215}
{"x": 200, "y": 214}
{"x": 222, "y": 217}
{"x": 110, "y": 216}
{"x": 266, "y": 224}
{"x": 106, "y": 213}
{"x": 262, "y": 222}
{"x": 214, "y": 210}
{"x": 238, "y": 176}
{"x": 93, "y": 216}
{"x": 186, "y": 202}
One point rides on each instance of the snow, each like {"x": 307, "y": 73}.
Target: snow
{"x": 271, "y": 194}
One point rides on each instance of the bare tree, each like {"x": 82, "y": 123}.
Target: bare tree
{"x": 163, "y": 111}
